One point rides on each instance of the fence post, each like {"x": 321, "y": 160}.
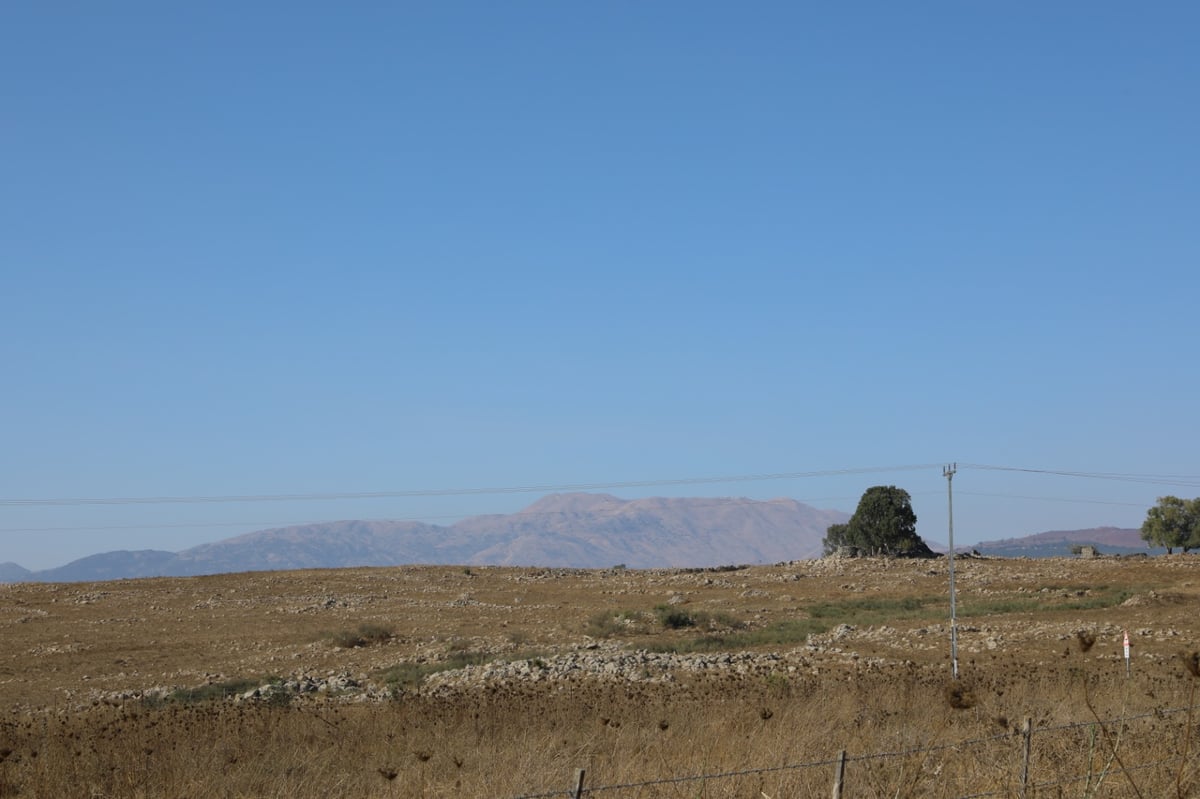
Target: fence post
{"x": 1026, "y": 736}
{"x": 578, "y": 793}
{"x": 839, "y": 773}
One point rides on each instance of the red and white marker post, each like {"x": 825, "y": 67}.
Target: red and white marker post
{"x": 1127, "y": 653}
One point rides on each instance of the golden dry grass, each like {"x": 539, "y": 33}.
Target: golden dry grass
{"x": 875, "y": 680}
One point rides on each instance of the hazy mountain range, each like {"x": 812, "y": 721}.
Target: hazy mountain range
{"x": 1053, "y": 543}
{"x": 572, "y": 530}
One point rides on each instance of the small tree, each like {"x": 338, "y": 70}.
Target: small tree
{"x": 1193, "y": 541}
{"x": 1173, "y": 522}
{"x": 883, "y": 524}
{"x": 836, "y": 537}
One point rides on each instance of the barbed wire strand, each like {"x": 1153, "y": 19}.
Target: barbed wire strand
{"x": 880, "y": 755}
{"x": 1117, "y": 770}
{"x": 1068, "y": 780}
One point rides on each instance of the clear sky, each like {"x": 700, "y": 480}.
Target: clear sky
{"x": 290, "y": 248}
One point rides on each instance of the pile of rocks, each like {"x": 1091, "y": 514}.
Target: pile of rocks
{"x": 297, "y": 686}
{"x": 617, "y": 665}
{"x": 593, "y": 662}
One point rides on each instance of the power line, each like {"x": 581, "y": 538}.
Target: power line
{"x": 64, "y": 502}
{"x": 1054, "y": 499}
{"x": 270, "y": 525}
{"x": 1186, "y": 480}
{"x": 265, "y": 525}
{"x": 1155, "y": 479}
{"x": 447, "y": 492}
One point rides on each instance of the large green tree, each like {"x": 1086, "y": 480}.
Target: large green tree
{"x": 883, "y": 524}
{"x": 1173, "y": 522}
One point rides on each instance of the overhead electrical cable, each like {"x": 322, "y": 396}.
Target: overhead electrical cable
{"x": 723, "y": 502}
{"x": 265, "y": 525}
{"x": 1184, "y": 480}
{"x": 447, "y": 492}
{"x": 1142, "y": 478}
{"x": 1070, "y": 500}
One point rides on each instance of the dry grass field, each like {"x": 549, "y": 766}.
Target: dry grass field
{"x": 501, "y": 682}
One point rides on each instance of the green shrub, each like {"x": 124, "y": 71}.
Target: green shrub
{"x": 365, "y": 635}
{"x": 215, "y": 691}
{"x": 718, "y": 619}
{"x": 1105, "y": 599}
{"x": 783, "y": 633}
{"x": 608, "y": 623}
{"x": 412, "y": 675}
{"x": 405, "y": 675}
{"x": 1097, "y": 598}
{"x": 876, "y": 610}
{"x": 673, "y": 618}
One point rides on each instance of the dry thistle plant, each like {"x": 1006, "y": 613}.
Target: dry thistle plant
{"x": 959, "y": 696}
{"x": 1086, "y": 639}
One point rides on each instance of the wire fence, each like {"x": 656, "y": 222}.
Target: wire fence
{"x": 1059, "y": 759}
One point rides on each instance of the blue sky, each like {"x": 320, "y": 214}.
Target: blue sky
{"x": 269, "y": 248}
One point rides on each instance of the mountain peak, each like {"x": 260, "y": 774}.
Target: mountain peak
{"x": 576, "y": 502}
{"x": 13, "y": 573}
{"x": 579, "y": 530}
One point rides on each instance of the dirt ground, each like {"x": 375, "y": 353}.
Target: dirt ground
{"x": 67, "y": 644}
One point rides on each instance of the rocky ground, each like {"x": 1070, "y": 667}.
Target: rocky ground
{"x": 266, "y": 635}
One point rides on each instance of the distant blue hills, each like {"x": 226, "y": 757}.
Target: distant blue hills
{"x": 576, "y": 530}
{"x": 1059, "y": 543}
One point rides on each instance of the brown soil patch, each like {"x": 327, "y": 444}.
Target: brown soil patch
{"x": 66, "y": 642}
{"x": 788, "y": 664}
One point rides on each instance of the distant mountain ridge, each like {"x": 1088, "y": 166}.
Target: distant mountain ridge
{"x": 14, "y": 573}
{"x": 572, "y": 530}
{"x": 1106, "y": 540}
{"x": 578, "y": 530}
